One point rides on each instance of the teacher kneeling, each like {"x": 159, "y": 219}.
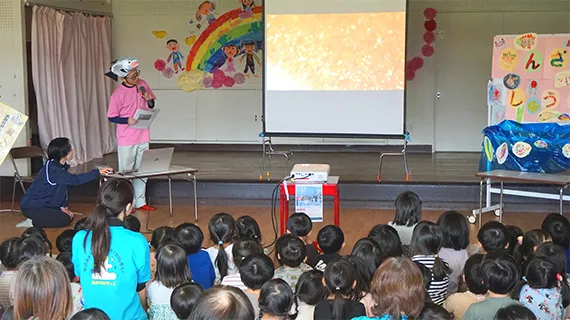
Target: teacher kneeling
{"x": 45, "y": 202}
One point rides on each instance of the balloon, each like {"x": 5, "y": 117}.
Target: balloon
{"x": 229, "y": 82}
{"x": 430, "y": 25}
{"x": 418, "y": 63}
{"x": 216, "y": 84}
{"x": 430, "y": 13}
{"x": 219, "y": 75}
{"x": 160, "y": 65}
{"x": 168, "y": 73}
{"x": 428, "y": 50}
{"x": 239, "y": 78}
{"x": 207, "y": 82}
{"x": 410, "y": 75}
{"x": 429, "y": 37}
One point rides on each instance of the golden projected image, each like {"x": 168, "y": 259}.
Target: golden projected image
{"x": 363, "y": 51}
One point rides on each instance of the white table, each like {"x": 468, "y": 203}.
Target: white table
{"x": 189, "y": 174}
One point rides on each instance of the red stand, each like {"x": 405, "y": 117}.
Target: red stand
{"x": 330, "y": 188}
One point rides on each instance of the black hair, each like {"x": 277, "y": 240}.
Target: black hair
{"x": 184, "y": 297}
{"x": 8, "y": 253}
{"x": 80, "y": 224}
{"x": 513, "y": 233}
{"x": 161, "y": 236}
{"x": 223, "y": 302}
{"x": 515, "y": 312}
{"x": 432, "y": 311}
{"x": 493, "y": 236}
{"x": 64, "y": 240}
{"x": 256, "y": 270}
{"x": 222, "y": 229}
{"x": 171, "y": 40}
{"x": 455, "y": 229}
{"x": 290, "y": 250}
{"x": 310, "y": 288}
{"x": 557, "y": 255}
{"x": 558, "y": 227}
{"x": 408, "y": 209}
{"x": 58, "y": 149}
{"x": 427, "y": 240}
{"x": 524, "y": 248}
{"x": 65, "y": 259}
{"x": 276, "y": 298}
{"x": 362, "y": 286}
{"x": 248, "y": 228}
{"x": 330, "y": 239}
{"x": 172, "y": 266}
{"x": 426, "y": 274}
{"x": 132, "y": 223}
{"x": 387, "y": 239}
{"x": 299, "y": 224}
{"x": 190, "y": 236}
{"x": 500, "y": 272}
{"x": 29, "y": 247}
{"x": 473, "y": 276}
{"x": 541, "y": 273}
{"x": 90, "y": 314}
{"x": 41, "y": 234}
{"x": 251, "y": 6}
{"x": 366, "y": 258}
{"x": 340, "y": 276}
{"x": 244, "y": 248}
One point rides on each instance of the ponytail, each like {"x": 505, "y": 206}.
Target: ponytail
{"x": 516, "y": 292}
{"x": 440, "y": 269}
{"x": 100, "y": 237}
{"x": 338, "y": 306}
{"x": 524, "y": 248}
{"x": 222, "y": 260}
{"x": 565, "y": 291}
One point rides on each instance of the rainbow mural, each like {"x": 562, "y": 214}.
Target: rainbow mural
{"x": 228, "y": 29}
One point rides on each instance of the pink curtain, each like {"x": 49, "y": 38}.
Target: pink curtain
{"x": 70, "y": 54}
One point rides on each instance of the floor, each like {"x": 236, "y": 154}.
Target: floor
{"x": 449, "y": 167}
{"x": 355, "y": 222}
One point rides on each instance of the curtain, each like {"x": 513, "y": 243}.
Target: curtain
{"x": 70, "y": 54}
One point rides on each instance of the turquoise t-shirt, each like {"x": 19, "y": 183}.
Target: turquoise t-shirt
{"x": 128, "y": 264}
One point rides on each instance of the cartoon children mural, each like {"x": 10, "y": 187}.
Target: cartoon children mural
{"x": 246, "y": 8}
{"x": 251, "y": 58}
{"x": 175, "y": 54}
{"x": 206, "y": 10}
{"x": 230, "y": 51}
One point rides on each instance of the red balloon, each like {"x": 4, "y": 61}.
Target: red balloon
{"x": 429, "y": 37}
{"x": 430, "y": 25}
{"x": 219, "y": 75}
{"x": 216, "y": 84}
{"x": 410, "y": 75}
{"x": 418, "y": 63}
{"x": 430, "y": 13}
{"x": 428, "y": 50}
{"x": 229, "y": 82}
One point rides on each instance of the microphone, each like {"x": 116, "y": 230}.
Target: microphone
{"x": 151, "y": 101}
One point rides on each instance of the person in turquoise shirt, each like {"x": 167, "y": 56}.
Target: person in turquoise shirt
{"x": 112, "y": 262}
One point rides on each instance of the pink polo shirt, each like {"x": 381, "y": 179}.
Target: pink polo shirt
{"x": 124, "y": 103}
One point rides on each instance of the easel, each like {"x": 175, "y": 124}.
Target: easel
{"x": 402, "y": 153}
{"x": 268, "y": 152}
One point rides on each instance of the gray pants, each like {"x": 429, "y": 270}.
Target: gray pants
{"x": 130, "y": 158}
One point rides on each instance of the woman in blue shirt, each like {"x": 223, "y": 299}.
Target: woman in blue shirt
{"x": 112, "y": 262}
{"x": 45, "y": 202}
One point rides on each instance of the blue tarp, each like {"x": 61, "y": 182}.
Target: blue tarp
{"x": 533, "y": 147}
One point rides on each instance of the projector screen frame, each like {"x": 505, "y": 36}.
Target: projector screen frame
{"x": 266, "y": 133}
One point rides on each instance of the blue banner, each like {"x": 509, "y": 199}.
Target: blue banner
{"x": 532, "y": 147}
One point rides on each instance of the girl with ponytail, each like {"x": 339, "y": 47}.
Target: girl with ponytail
{"x": 527, "y": 244}
{"x": 223, "y": 233}
{"x": 277, "y": 300}
{"x": 111, "y": 261}
{"x": 340, "y": 280}
{"x": 427, "y": 240}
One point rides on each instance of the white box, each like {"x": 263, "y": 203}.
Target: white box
{"x": 311, "y": 172}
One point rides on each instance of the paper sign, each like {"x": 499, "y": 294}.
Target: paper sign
{"x": 526, "y": 42}
{"x": 309, "y": 199}
{"x": 12, "y": 123}
{"x": 144, "y": 118}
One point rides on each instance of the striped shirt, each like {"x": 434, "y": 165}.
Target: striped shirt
{"x": 438, "y": 288}
{"x": 234, "y": 280}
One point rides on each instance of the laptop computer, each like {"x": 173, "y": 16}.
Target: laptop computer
{"x": 155, "y": 160}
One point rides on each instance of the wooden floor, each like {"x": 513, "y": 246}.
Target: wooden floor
{"x": 442, "y": 167}
{"x": 355, "y": 222}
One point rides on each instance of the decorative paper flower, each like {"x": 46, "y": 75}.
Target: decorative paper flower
{"x": 410, "y": 75}
{"x": 430, "y": 25}
{"x": 191, "y": 80}
{"x": 216, "y": 84}
{"x": 430, "y": 13}
{"x": 160, "y": 65}
{"x": 229, "y": 82}
{"x": 428, "y": 50}
{"x": 168, "y": 73}
{"x": 429, "y": 37}
{"x": 219, "y": 75}
{"x": 417, "y": 63}
{"x": 207, "y": 82}
{"x": 239, "y": 78}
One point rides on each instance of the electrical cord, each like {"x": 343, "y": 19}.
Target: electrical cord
{"x": 274, "y": 196}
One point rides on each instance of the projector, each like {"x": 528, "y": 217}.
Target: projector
{"x": 310, "y": 172}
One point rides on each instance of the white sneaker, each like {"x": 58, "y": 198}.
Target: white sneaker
{"x": 25, "y": 224}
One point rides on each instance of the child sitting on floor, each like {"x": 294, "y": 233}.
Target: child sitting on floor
{"x": 242, "y": 249}
{"x": 408, "y": 213}
{"x": 493, "y": 236}
{"x": 301, "y": 226}
{"x": 458, "y": 303}
{"x": 291, "y": 252}
{"x": 76, "y": 291}
{"x": 255, "y": 271}
{"x": 331, "y": 241}
{"x": 223, "y": 233}
{"x": 190, "y": 236}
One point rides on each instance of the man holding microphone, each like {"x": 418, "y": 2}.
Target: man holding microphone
{"x": 133, "y": 94}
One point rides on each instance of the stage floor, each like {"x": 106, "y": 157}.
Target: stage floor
{"x": 361, "y": 167}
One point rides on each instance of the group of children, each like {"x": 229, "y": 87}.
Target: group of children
{"x": 407, "y": 269}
